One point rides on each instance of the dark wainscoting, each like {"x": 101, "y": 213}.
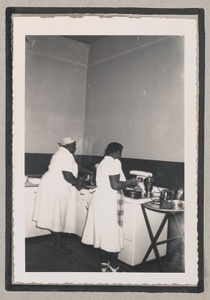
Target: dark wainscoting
{"x": 166, "y": 174}
{"x": 36, "y": 164}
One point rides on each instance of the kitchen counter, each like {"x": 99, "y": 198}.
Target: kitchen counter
{"x": 136, "y": 201}
{"x": 136, "y": 239}
{"x": 29, "y": 184}
{"x": 32, "y": 181}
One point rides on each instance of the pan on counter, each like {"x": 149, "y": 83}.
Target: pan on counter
{"x": 133, "y": 194}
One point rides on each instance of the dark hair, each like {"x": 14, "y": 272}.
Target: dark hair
{"x": 112, "y": 148}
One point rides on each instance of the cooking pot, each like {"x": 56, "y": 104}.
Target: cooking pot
{"x": 133, "y": 194}
{"x": 172, "y": 204}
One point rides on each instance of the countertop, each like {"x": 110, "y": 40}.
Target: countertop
{"x": 36, "y": 184}
{"x": 29, "y": 184}
{"x": 136, "y": 201}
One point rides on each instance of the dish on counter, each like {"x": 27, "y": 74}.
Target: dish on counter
{"x": 177, "y": 204}
{"x": 155, "y": 202}
{"x": 132, "y": 194}
{"x": 90, "y": 187}
{"x": 29, "y": 184}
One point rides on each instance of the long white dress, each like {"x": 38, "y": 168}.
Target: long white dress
{"x": 54, "y": 194}
{"x": 102, "y": 229}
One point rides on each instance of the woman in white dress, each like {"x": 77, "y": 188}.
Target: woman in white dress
{"x": 103, "y": 227}
{"x": 56, "y": 193}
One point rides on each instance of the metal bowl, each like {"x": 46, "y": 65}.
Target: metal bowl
{"x": 177, "y": 204}
{"x": 133, "y": 194}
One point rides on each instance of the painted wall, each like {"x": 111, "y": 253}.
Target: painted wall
{"x": 135, "y": 95}
{"x": 132, "y": 91}
{"x": 56, "y": 71}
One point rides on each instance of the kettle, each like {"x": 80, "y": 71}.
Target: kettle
{"x": 167, "y": 195}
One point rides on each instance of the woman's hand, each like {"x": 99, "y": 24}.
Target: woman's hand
{"x": 91, "y": 173}
{"x": 134, "y": 181}
{"x": 116, "y": 184}
{"x": 69, "y": 177}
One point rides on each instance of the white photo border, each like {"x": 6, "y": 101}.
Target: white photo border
{"x": 24, "y": 25}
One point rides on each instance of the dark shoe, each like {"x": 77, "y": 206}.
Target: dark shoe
{"x": 118, "y": 269}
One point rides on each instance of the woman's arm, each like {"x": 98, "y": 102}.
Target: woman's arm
{"x": 116, "y": 184}
{"x": 70, "y": 178}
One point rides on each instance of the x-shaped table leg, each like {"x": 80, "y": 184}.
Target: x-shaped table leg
{"x": 154, "y": 238}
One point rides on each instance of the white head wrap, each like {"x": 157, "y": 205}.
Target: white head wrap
{"x": 66, "y": 141}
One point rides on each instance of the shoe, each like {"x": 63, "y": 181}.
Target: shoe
{"x": 104, "y": 267}
{"x": 118, "y": 269}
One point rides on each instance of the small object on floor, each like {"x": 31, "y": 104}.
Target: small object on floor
{"x": 118, "y": 269}
{"x": 104, "y": 267}
{"x": 62, "y": 250}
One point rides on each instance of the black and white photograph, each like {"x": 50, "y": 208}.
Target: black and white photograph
{"x": 105, "y": 150}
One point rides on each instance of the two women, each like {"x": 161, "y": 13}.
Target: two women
{"x": 103, "y": 228}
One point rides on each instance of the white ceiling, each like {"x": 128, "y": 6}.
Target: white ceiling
{"x": 86, "y": 39}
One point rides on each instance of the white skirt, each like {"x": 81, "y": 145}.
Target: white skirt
{"x": 52, "y": 202}
{"x": 102, "y": 229}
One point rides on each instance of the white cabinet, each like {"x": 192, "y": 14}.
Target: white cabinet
{"x": 30, "y": 226}
{"x": 136, "y": 238}
{"x": 83, "y": 198}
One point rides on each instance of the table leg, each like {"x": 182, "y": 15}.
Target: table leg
{"x": 153, "y": 239}
{"x": 179, "y": 238}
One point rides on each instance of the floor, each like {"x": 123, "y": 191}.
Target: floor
{"x": 40, "y": 257}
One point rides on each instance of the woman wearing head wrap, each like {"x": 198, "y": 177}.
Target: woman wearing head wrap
{"x": 104, "y": 222}
{"x": 56, "y": 193}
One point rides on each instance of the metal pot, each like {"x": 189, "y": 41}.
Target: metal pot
{"x": 177, "y": 204}
{"x": 133, "y": 194}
